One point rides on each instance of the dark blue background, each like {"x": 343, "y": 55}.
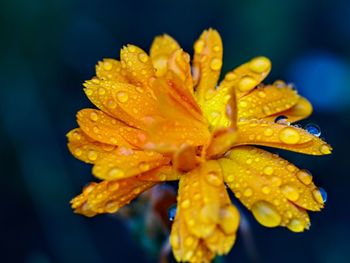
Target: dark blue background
{"x": 48, "y": 48}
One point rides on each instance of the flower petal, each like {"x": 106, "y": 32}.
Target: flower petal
{"x": 280, "y": 136}
{"x": 276, "y": 191}
{"x": 301, "y": 110}
{"x": 112, "y": 162}
{"x": 207, "y": 63}
{"x": 103, "y": 128}
{"x": 108, "y": 196}
{"x": 266, "y": 101}
{"x": 161, "y": 50}
{"x": 126, "y": 102}
{"x": 110, "y": 69}
{"x": 138, "y": 67}
{"x": 247, "y": 76}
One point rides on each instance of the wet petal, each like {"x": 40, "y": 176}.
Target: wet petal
{"x": 207, "y": 63}
{"x": 301, "y": 110}
{"x": 112, "y": 162}
{"x": 266, "y": 101}
{"x": 110, "y": 69}
{"x": 281, "y": 136}
{"x": 103, "y": 128}
{"x": 221, "y": 142}
{"x": 161, "y": 50}
{"x": 108, "y": 196}
{"x": 247, "y": 76}
{"x": 270, "y": 186}
{"x": 137, "y": 65}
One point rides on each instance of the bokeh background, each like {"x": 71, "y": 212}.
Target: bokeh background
{"x": 48, "y": 48}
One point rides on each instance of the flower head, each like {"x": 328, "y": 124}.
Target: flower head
{"x": 160, "y": 119}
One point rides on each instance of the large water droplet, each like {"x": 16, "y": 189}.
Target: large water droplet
{"x": 214, "y": 179}
{"x": 323, "y": 194}
{"x": 290, "y": 192}
{"x": 143, "y": 166}
{"x": 259, "y": 64}
{"x": 289, "y": 135}
{"x": 199, "y": 46}
{"x": 266, "y": 214}
{"x": 268, "y": 170}
{"x": 282, "y": 120}
{"x": 216, "y": 64}
{"x": 246, "y": 84}
{"x": 313, "y": 129}
{"x": 92, "y": 155}
{"x": 185, "y": 204}
{"x": 296, "y": 225}
{"x": 320, "y": 195}
{"x": 304, "y": 176}
{"x": 143, "y": 57}
{"x": 93, "y": 116}
{"x": 115, "y": 173}
{"x": 122, "y": 96}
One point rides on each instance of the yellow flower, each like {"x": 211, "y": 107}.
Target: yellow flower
{"x": 161, "y": 120}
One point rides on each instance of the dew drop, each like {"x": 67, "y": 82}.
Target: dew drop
{"x": 143, "y": 166}
{"x": 246, "y": 84}
{"x": 289, "y": 135}
{"x": 111, "y": 104}
{"x": 259, "y": 64}
{"x": 112, "y": 206}
{"x": 93, "y": 116}
{"x": 296, "y": 225}
{"x": 143, "y": 57}
{"x": 266, "y": 190}
{"x": 304, "y": 176}
{"x": 185, "y": 204}
{"x": 320, "y": 195}
{"x": 122, "y": 96}
{"x": 131, "y": 48}
{"x": 216, "y": 64}
{"x": 216, "y": 48}
{"x": 78, "y": 152}
{"x": 189, "y": 241}
{"x": 107, "y": 65}
{"x": 325, "y": 149}
{"x": 290, "y": 192}
{"x": 101, "y": 91}
{"x": 113, "y": 186}
{"x": 282, "y": 120}
{"x": 199, "y": 46}
{"x": 261, "y": 94}
{"x": 268, "y": 132}
{"x": 266, "y": 214}
{"x": 268, "y": 170}
{"x": 313, "y": 129}
{"x": 230, "y": 76}
{"x": 214, "y": 179}
{"x": 92, "y": 155}
{"x": 279, "y": 84}
{"x": 115, "y": 173}
{"x": 248, "y": 192}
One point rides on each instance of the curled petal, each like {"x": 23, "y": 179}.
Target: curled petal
{"x": 108, "y": 196}
{"x": 137, "y": 66}
{"x": 207, "y": 63}
{"x": 161, "y": 50}
{"x": 275, "y": 191}
{"x": 110, "y": 69}
{"x": 301, "y": 110}
{"x": 221, "y": 142}
{"x": 247, "y": 76}
{"x": 266, "y": 101}
{"x": 280, "y": 136}
{"x": 103, "y": 128}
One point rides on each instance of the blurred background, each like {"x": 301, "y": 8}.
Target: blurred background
{"x": 48, "y": 48}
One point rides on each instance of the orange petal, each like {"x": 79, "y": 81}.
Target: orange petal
{"x": 275, "y": 190}
{"x": 86, "y": 149}
{"x": 247, "y": 76}
{"x": 207, "y": 63}
{"x": 138, "y": 66}
{"x": 108, "y": 197}
{"x": 179, "y": 63}
{"x": 112, "y": 162}
{"x": 301, "y": 110}
{"x": 161, "y": 50}
{"x": 220, "y": 107}
{"x": 281, "y": 136}
{"x": 266, "y": 101}
{"x": 100, "y": 93}
{"x": 103, "y": 128}
{"x": 110, "y": 69}
{"x": 200, "y": 198}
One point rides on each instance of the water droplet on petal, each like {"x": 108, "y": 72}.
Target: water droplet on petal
{"x": 246, "y": 84}
{"x": 304, "y": 176}
{"x": 248, "y": 192}
{"x": 296, "y": 225}
{"x": 230, "y": 76}
{"x": 115, "y": 173}
{"x": 313, "y": 129}
{"x": 92, "y": 155}
{"x": 199, "y": 46}
{"x": 189, "y": 241}
{"x": 185, "y": 204}
{"x": 266, "y": 214}
{"x": 112, "y": 206}
{"x": 320, "y": 195}
{"x": 282, "y": 120}
{"x": 214, "y": 179}
{"x": 266, "y": 190}
{"x": 325, "y": 149}
{"x": 78, "y": 152}
{"x": 143, "y": 166}
{"x": 290, "y": 192}
{"x": 143, "y": 57}
{"x": 216, "y": 64}
{"x": 323, "y": 194}
{"x": 289, "y": 135}
{"x": 113, "y": 186}
{"x": 93, "y": 116}
{"x": 216, "y": 48}
{"x": 122, "y": 96}
{"x": 107, "y": 65}
{"x": 268, "y": 170}
{"x": 259, "y": 64}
